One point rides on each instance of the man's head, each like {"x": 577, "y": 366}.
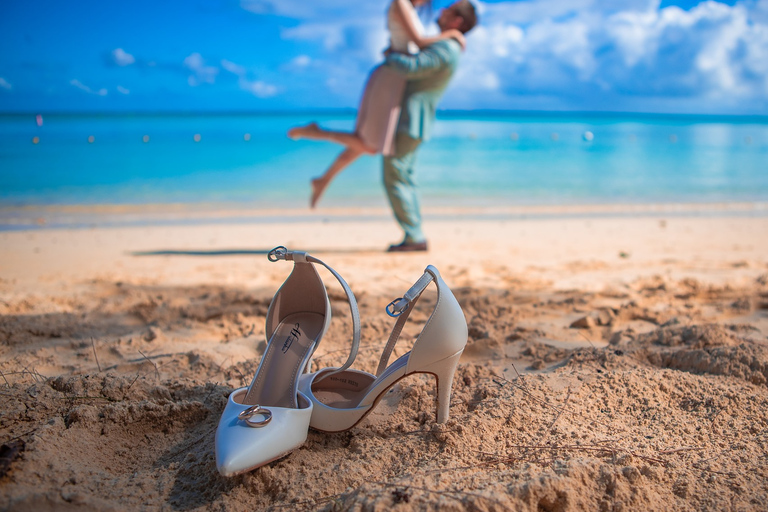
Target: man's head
{"x": 460, "y": 15}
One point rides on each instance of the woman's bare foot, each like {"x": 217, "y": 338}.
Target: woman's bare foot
{"x": 318, "y": 187}
{"x": 301, "y": 132}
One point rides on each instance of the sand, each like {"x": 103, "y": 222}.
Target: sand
{"x": 617, "y": 360}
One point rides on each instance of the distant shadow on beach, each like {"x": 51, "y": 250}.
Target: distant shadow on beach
{"x": 246, "y": 252}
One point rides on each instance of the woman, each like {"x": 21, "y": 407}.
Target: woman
{"x": 379, "y": 110}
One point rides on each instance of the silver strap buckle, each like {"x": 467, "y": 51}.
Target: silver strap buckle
{"x": 397, "y": 307}
{"x": 278, "y": 253}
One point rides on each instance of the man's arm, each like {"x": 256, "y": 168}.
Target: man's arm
{"x": 427, "y": 62}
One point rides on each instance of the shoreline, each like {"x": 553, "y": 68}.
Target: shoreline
{"x": 80, "y": 216}
{"x": 546, "y": 246}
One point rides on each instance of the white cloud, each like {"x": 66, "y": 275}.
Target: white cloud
{"x": 123, "y": 90}
{"x": 349, "y": 30}
{"x": 326, "y": 10}
{"x": 360, "y": 42}
{"x": 201, "y": 73}
{"x": 332, "y": 37}
{"x": 232, "y": 67}
{"x": 756, "y": 51}
{"x": 122, "y": 58}
{"x": 85, "y": 88}
{"x": 715, "y": 59}
{"x": 567, "y": 43}
{"x": 258, "y": 88}
{"x": 579, "y": 50}
{"x": 534, "y": 11}
{"x": 5, "y": 84}
{"x": 488, "y": 80}
{"x": 633, "y": 33}
{"x": 578, "y": 54}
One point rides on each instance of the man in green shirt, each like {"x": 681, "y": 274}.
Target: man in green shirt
{"x": 428, "y": 74}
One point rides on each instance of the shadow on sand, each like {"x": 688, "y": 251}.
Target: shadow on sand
{"x": 247, "y": 252}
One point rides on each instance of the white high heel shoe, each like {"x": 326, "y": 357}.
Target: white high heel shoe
{"x": 270, "y": 418}
{"x": 341, "y": 398}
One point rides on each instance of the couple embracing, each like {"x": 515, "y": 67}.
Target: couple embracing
{"x": 398, "y": 108}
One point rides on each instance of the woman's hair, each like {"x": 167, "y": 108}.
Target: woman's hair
{"x": 466, "y": 10}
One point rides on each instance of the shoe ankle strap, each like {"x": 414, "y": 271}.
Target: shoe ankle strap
{"x": 401, "y": 308}
{"x": 281, "y": 253}
{"x": 399, "y": 305}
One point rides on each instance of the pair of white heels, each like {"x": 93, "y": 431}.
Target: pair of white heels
{"x": 271, "y": 417}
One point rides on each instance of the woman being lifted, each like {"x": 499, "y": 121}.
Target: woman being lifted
{"x": 379, "y": 110}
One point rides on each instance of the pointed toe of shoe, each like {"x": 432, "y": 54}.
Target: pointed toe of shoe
{"x": 241, "y": 448}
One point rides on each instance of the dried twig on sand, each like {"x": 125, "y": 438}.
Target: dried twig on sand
{"x": 588, "y": 340}
{"x": 242, "y": 377}
{"x": 587, "y": 448}
{"x": 93, "y": 346}
{"x": 544, "y": 402}
{"x": 157, "y": 372}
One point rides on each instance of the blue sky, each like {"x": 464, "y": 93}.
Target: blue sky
{"x": 194, "y": 55}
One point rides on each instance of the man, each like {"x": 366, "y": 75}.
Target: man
{"x": 428, "y": 74}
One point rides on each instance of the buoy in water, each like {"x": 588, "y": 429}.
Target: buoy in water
{"x": 145, "y": 138}
{"x": 514, "y": 136}
{"x": 554, "y": 136}
{"x": 91, "y": 138}
{"x": 588, "y": 136}
{"x": 197, "y": 137}
{"x": 247, "y": 137}
{"x": 35, "y": 139}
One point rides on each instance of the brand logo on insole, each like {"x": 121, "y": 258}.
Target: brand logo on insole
{"x": 294, "y": 336}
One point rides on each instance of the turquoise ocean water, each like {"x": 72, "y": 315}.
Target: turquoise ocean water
{"x": 473, "y": 159}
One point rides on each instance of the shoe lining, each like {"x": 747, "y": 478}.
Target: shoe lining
{"x": 287, "y": 353}
{"x": 347, "y": 390}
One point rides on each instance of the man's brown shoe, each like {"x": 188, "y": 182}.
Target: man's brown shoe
{"x": 408, "y": 247}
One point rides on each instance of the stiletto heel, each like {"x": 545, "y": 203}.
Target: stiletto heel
{"x": 341, "y": 398}
{"x": 270, "y": 418}
{"x": 443, "y": 371}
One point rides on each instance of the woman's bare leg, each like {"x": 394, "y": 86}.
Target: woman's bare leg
{"x": 319, "y": 185}
{"x": 314, "y": 132}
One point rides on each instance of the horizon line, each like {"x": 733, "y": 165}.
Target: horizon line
{"x": 352, "y": 111}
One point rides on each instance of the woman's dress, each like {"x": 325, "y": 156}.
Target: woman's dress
{"x": 379, "y": 111}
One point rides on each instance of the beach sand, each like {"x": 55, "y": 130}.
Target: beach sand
{"x": 617, "y": 360}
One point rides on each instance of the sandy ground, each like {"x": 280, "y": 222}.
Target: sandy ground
{"x": 615, "y": 361}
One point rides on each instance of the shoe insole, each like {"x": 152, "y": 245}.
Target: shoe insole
{"x": 287, "y": 353}
{"x": 346, "y": 390}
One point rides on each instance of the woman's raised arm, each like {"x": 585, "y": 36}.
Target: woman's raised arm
{"x": 401, "y": 11}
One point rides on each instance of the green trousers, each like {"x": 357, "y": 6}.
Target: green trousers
{"x": 402, "y": 188}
